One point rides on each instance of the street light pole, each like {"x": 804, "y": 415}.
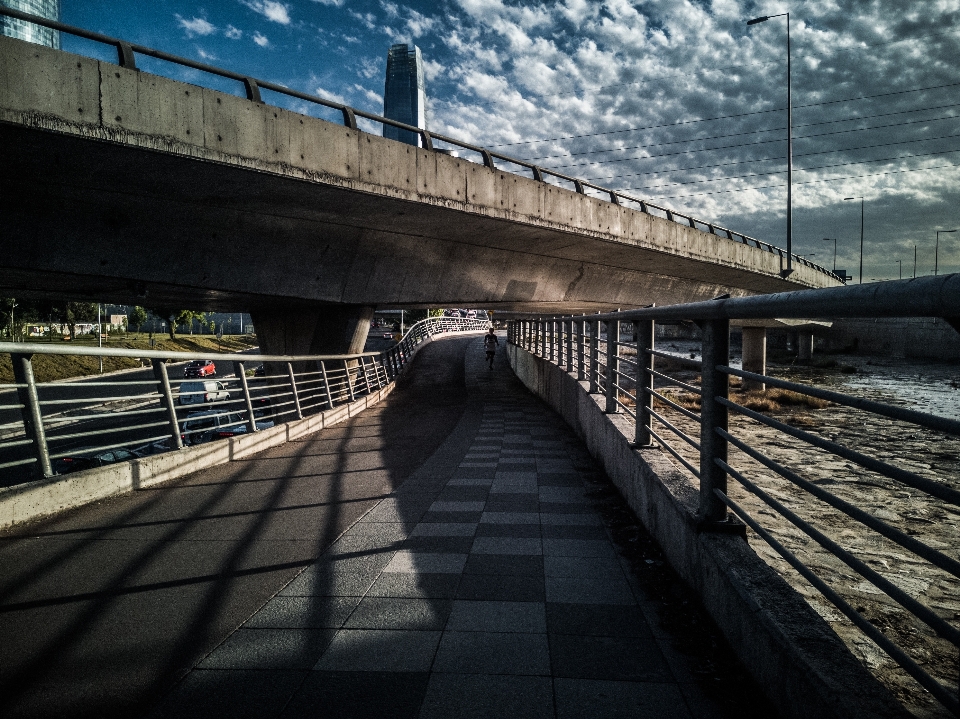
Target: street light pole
{"x": 789, "y": 269}
{"x": 936, "y": 254}
{"x": 914, "y": 262}
{"x": 861, "y": 233}
{"x": 834, "y": 241}
{"x": 900, "y": 263}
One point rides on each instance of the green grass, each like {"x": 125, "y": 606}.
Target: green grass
{"x": 47, "y": 368}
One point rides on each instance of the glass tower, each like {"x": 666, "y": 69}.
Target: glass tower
{"x": 404, "y": 93}
{"x": 49, "y": 9}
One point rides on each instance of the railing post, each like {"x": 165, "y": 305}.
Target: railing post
{"x": 643, "y": 335}
{"x": 32, "y": 417}
{"x": 713, "y": 416}
{"x": 568, "y": 329}
{"x": 581, "y": 330}
{"x": 326, "y": 384}
{"x": 166, "y": 399}
{"x": 240, "y": 371}
{"x": 366, "y": 376}
{"x": 293, "y": 390}
{"x": 613, "y": 353}
{"x": 543, "y": 338}
{"x": 594, "y": 357}
{"x": 346, "y": 374}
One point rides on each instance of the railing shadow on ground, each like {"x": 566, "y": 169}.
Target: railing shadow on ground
{"x": 852, "y": 553}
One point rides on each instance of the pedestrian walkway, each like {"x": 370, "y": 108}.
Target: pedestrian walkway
{"x": 446, "y": 553}
{"x": 485, "y": 586}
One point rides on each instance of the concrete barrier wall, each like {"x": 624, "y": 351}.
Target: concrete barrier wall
{"x": 802, "y": 664}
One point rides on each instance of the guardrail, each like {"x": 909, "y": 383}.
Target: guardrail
{"x": 126, "y": 57}
{"x": 49, "y": 428}
{"x": 592, "y": 348}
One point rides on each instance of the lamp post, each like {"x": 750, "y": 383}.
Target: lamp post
{"x": 900, "y": 263}
{"x": 914, "y": 262}
{"x": 834, "y": 241}
{"x": 789, "y": 269}
{"x": 861, "y": 233}
{"x": 936, "y": 254}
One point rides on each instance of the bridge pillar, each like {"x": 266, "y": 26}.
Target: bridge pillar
{"x": 298, "y": 330}
{"x": 804, "y": 345}
{"x": 754, "y": 355}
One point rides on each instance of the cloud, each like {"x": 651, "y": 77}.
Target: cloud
{"x": 368, "y": 20}
{"x": 206, "y": 55}
{"x": 331, "y": 3}
{"x": 196, "y": 26}
{"x": 270, "y": 9}
{"x": 233, "y": 33}
{"x": 261, "y": 40}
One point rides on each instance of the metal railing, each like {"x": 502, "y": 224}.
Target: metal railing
{"x": 126, "y": 57}
{"x": 594, "y": 350}
{"x": 48, "y": 428}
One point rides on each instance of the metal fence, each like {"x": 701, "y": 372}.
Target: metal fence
{"x": 126, "y": 57}
{"x": 629, "y": 373}
{"x": 49, "y": 428}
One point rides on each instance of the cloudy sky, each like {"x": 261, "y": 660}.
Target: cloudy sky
{"x": 674, "y": 101}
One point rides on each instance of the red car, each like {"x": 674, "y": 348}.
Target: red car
{"x": 200, "y": 368}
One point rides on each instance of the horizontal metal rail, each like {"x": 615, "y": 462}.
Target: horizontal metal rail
{"x": 126, "y": 57}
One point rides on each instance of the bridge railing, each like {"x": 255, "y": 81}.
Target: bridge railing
{"x": 781, "y": 468}
{"x": 126, "y": 57}
{"x": 49, "y": 428}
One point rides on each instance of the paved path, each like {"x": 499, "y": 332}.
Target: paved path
{"x": 470, "y": 575}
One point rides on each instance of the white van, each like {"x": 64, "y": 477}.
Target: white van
{"x": 200, "y": 392}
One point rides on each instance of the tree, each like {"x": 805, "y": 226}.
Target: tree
{"x": 137, "y": 318}
{"x": 70, "y": 313}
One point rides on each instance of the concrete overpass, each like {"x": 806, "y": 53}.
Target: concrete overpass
{"x": 128, "y": 187}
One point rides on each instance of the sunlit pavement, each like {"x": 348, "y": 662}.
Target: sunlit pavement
{"x": 374, "y": 570}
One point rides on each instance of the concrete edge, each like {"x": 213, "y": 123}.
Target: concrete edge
{"x": 801, "y": 663}
{"x": 36, "y": 500}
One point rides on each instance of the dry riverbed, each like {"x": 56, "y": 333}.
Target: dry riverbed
{"x": 927, "y": 453}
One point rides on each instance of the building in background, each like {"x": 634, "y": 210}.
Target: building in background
{"x": 405, "y": 93}
{"x": 11, "y": 27}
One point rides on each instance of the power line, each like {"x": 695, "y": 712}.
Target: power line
{"x": 725, "y": 117}
{"x": 742, "y": 144}
{"x": 741, "y": 134}
{"x": 809, "y": 182}
{"x": 778, "y": 172}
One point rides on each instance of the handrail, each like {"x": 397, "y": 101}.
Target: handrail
{"x": 126, "y": 57}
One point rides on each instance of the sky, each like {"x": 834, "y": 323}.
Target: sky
{"x": 673, "y": 101}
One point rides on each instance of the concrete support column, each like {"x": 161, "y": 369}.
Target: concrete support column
{"x": 754, "y": 355}
{"x": 297, "y": 330}
{"x": 804, "y": 345}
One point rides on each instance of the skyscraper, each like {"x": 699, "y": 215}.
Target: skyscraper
{"x": 404, "y": 93}
{"x": 11, "y": 27}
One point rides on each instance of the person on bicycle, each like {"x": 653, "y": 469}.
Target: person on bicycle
{"x": 490, "y": 344}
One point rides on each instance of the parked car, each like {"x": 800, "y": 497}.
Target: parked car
{"x": 238, "y": 429}
{"x": 259, "y": 371}
{"x": 89, "y": 458}
{"x": 200, "y": 368}
{"x": 198, "y": 427}
{"x": 200, "y": 392}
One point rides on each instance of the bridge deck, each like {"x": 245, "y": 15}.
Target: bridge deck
{"x": 444, "y": 554}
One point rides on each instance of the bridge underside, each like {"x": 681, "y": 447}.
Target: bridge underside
{"x": 86, "y": 218}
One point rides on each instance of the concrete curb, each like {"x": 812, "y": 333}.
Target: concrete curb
{"x": 804, "y": 667}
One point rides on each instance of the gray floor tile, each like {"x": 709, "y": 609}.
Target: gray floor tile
{"x": 235, "y": 693}
{"x": 445, "y": 517}
{"x": 441, "y": 545}
{"x": 506, "y": 545}
{"x": 380, "y": 650}
{"x": 580, "y": 519}
{"x": 616, "y": 658}
{"x": 445, "y": 529}
{"x": 578, "y": 548}
{"x": 597, "y": 620}
{"x": 409, "y": 562}
{"x": 472, "y": 696}
{"x": 588, "y": 590}
{"x": 574, "y": 531}
{"x": 489, "y": 616}
{"x": 427, "y": 586}
{"x": 504, "y": 564}
{"x": 399, "y": 613}
{"x": 508, "y": 530}
{"x": 470, "y": 481}
{"x": 493, "y": 653}
{"x": 457, "y": 506}
{"x": 581, "y": 698}
{"x": 269, "y": 649}
{"x": 303, "y": 613}
{"x": 510, "y": 518}
{"x": 339, "y": 576}
{"x": 506, "y": 587}
{"x": 356, "y": 695}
